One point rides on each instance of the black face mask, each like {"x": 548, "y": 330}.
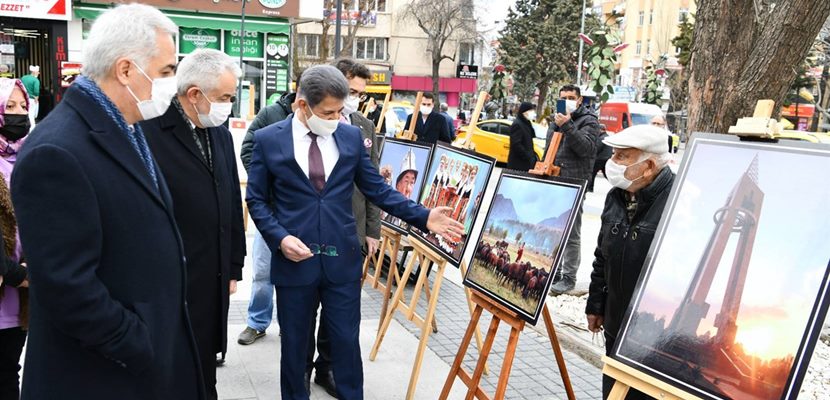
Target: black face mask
{"x": 15, "y": 127}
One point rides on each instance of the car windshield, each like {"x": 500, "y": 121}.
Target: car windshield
{"x": 641, "y": 119}
{"x": 401, "y": 113}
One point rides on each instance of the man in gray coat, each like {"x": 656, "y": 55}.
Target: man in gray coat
{"x": 575, "y": 158}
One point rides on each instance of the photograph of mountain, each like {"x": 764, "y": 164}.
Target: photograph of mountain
{"x": 519, "y": 247}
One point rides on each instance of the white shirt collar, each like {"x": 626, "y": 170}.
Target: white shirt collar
{"x": 300, "y": 132}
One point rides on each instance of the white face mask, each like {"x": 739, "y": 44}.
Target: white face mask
{"x": 217, "y": 115}
{"x": 426, "y": 110}
{"x": 530, "y": 115}
{"x": 570, "y": 106}
{"x": 616, "y": 174}
{"x": 351, "y": 105}
{"x": 319, "y": 126}
{"x": 160, "y": 96}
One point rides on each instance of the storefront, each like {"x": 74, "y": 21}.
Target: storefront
{"x": 265, "y": 47}
{"x": 34, "y": 33}
{"x": 450, "y": 89}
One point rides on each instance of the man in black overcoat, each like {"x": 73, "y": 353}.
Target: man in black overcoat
{"x": 106, "y": 263}
{"x": 195, "y": 153}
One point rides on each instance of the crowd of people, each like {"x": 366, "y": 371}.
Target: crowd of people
{"x": 123, "y": 236}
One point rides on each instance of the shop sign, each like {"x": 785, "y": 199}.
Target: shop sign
{"x": 258, "y": 8}
{"x": 37, "y": 9}
{"x": 467, "y": 71}
{"x": 277, "y": 50}
{"x": 191, "y": 39}
{"x": 251, "y": 45}
{"x": 381, "y": 77}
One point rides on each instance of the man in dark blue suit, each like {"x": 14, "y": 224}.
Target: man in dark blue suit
{"x": 311, "y": 164}
{"x": 105, "y": 259}
{"x": 430, "y": 126}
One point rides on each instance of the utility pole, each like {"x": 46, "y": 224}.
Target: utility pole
{"x": 337, "y": 28}
{"x": 581, "y": 46}
{"x": 241, "y": 63}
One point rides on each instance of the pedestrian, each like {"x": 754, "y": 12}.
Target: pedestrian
{"x": 105, "y": 260}
{"x": 660, "y": 122}
{"x": 261, "y": 304}
{"x": 14, "y": 126}
{"x": 430, "y": 127}
{"x": 642, "y": 180}
{"x": 450, "y": 121}
{"x": 575, "y": 158}
{"x": 603, "y": 154}
{"x": 32, "y": 85}
{"x": 521, "y": 156}
{"x": 196, "y": 155}
{"x": 311, "y": 163}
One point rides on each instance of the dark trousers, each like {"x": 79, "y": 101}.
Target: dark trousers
{"x": 297, "y": 306}
{"x": 323, "y": 362}
{"x": 11, "y": 346}
{"x": 599, "y": 165}
{"x": 608, "y": 382}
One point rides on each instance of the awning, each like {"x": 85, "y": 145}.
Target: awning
{"x": 199, "y": 20}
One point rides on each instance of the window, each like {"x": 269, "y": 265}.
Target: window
{"x": 648, "y": 47}
{"x": 308, "y": 45}
{"x": 374, "y": 5}
{"x": 366, "y": 48}
{"x": 684, "y": 14}
{"x": 639, "y": 47}
{"x": 642, "y": 17}
{"x": 491, "y": 127}
{"x": 651, "y": 17}
{"x": 466, "y": 53}
{"x": 677, "y": 50}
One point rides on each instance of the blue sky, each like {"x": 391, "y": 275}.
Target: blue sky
{"x": 393, "y": 154}
{"x": 536, "y": 201}
{"x": 791, "y": 250}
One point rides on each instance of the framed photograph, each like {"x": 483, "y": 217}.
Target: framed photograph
{"x": 403, "y": 165}
{"x": 519, "y": 248}
{"x": 733, "y": 292}
{"x": 456, "y": 179}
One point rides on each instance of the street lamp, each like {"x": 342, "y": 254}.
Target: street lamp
{"x": 581, "y": 45}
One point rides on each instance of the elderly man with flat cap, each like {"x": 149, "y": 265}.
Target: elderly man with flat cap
{"x": 642, "y": 180}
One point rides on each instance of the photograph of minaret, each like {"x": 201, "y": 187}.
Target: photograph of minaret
{"x": 734, "y": 291}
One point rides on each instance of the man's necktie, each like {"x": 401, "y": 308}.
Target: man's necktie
{"x": 316, "y": 172}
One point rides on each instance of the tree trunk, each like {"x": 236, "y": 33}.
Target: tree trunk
{"x": 737, "y": 60}
{"x": 436, "y": 64}
{"x": 544, "y": 87}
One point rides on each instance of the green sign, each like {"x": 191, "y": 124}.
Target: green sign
{"x": 277, "y": 50}
{"x": 196, "y": 38}
{"x": 252, "y": 45}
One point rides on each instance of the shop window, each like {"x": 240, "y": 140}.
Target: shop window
{"x": 466, "y": 53}
{"x": 252, "y": 74}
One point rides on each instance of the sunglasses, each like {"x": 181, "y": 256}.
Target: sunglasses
{"x": 322, "y": 249}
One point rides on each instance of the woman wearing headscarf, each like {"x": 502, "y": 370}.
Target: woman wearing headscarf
{"x": 521, "y": 156}
{"x": 14, "y": 126}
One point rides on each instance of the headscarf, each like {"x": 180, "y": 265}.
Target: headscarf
{"x": 6, "y": 87}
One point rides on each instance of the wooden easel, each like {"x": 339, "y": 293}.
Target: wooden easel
{"x": 500, "y": 313}
{"x": 390, "y": 243}
{"x": 409, "y": 132}
{"x": 468, "y": 140}
{"x": 425, "y": 258}
{"x": 383, "y": 111}
{"x": 628, "y": 377}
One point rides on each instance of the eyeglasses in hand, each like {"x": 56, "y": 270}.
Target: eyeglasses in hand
{"x": 324, "y": 250}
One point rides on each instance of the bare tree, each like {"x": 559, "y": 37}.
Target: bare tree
{"x": 443, "y": 21}
{"x": 744, "y": 51}
{"x": 352, "y": 22}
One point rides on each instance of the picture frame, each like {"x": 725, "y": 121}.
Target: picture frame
{"x": 519, "y": 248}
{"x": 721, "y": 316}
{"x": 460, "y": 183}
{"x": 403, "y": 164}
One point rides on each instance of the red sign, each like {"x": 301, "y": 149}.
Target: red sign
{"x": 39, "y": 9}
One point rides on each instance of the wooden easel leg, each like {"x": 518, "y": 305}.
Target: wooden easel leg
{"x": 389, "y": 314}
{"x": 560, "y": 359}
{"x": 619, "y": 391}
{"x": 366, "y": 263}
{"x": 419, "y": 356}
{"x": 384, "y": 245}
{"x": 482, "y": 358}
{"x": 468, "y": 294}
{"x": 393, "y": 272}
{"x": 509, "y": 354}
{"x": 424, "y": 273}
{"x": 462, "y": 351}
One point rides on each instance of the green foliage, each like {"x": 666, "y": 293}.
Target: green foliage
{"x": 652, "y": 91}
{"x": 684, "y": 41}
{"x": 602, "y": 62}
{"x": 539, "y": 43}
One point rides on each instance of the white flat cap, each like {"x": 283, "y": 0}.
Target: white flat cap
{"x": 34, "y": 68}
{"x": 650, "y": 139}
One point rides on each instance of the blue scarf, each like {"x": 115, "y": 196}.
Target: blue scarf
{"x": 133, "y": 133}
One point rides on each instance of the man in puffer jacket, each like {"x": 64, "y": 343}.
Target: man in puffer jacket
{"x": 642, "y": 180}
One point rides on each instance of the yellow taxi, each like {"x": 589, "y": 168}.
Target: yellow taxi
{"x": 492, "y": 137}
{"x": 798, "y": 135}
{"x": 397, "y": 112}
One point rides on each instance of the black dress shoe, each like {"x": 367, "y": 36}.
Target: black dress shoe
{"x": 220, "y": 360}
{"x": 326, "y": 381}
{"x": 307, "y": 381}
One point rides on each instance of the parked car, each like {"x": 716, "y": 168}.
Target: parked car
{"x": 492, "y": 137}
{"x": 618, "y": 115}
